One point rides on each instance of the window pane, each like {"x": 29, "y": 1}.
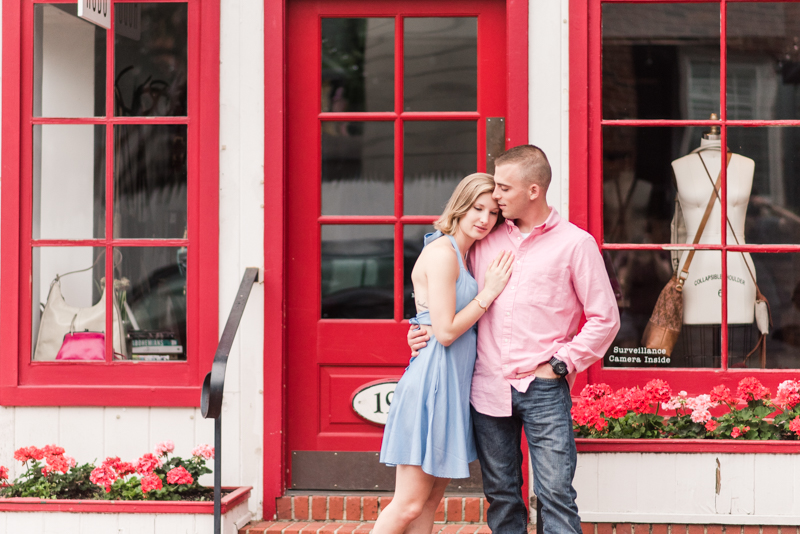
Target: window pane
{"x": 74, "y": 303}
{"x": 765, "y": 178}
{"x": 358, "y": 64}
{"x": 660, "y": 61}
{"x": 778, "y": 277}
{"x": 645, "y": 171}
{"x": 357, "y": 272}
{"x": 437, "y": 156}
{"x": 441, "y": 64}
{"x": 69, "y": 187}
{"x": 150, "y": 181}
{"x": 150, "y": 59}
{"x": 413, "y": 235}
{"x": 69, "y": 63}
{"x": 763, "y": 60}
{"x": 357, "y": 168}
{"x": 152, "y": 298}
{"x": 637, "y": 278}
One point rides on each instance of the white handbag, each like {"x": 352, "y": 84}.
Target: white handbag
{"x": 58, "y": 317}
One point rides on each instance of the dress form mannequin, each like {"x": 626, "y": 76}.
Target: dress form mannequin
{"x": 702, "y": 291}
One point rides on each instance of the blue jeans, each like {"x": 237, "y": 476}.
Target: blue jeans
{"x": 544, "y": 413}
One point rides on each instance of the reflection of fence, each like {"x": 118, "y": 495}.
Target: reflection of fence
{"x": 214, "y": 384}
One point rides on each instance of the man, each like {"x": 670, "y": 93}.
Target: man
{"x": 528, "y": 350}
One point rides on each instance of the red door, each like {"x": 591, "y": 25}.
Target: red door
{"x": 389, "y": 105}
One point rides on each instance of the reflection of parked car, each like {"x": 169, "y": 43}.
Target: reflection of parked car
{"x": 358, "y": 278}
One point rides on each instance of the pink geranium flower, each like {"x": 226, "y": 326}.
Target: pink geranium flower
{"x": 147, "y": 463}
{"x": 103, "y": 476}
{"x": 151, "y": 482}
{"x": 179, "y": 475}
{"x": 204, "y": 451}
{"x": 164, "y": 448}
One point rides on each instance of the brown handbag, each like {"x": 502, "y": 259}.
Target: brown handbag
{"x": 665, "y": 323}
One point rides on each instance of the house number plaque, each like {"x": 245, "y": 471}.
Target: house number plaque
{"x": 371, "y": 401}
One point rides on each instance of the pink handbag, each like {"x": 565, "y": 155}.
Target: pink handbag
{"x": 83, "y": 346}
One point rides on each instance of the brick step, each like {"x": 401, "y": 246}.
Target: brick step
{"x": 340, "y": 527}
{"x": 358, "y": 508}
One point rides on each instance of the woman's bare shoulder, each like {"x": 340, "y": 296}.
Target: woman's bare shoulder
{"x": 439, "y": 255}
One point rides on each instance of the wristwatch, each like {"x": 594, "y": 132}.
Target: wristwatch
{"x": 560, "y": 368}
{"x": 482, "y": 303}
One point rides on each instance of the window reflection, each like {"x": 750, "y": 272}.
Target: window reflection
{"x": 660, "y": 61}
{"x": 150, "y": 59}
{"x": 152, "y": 297}
{"x": 763, "y": 60}
{"x": 357, "y": 272}
{"x": 357, "y": 168}
{"x": 357, "y": 64}
{"x": 437, "y": 156}
{"x": 441, "y": 64}
{"x": 150, "y": 181}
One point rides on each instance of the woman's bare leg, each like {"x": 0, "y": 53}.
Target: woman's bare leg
{"x": 424, "y": 523}
{"x": 411, "y": 491}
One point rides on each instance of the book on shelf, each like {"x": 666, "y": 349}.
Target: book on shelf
{"x": 164, "y": 349}
{"x": 155, "y": 357}
{"x": 153, "y": 342}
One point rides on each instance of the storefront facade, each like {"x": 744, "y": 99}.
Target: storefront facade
{"x": 318, "y": 141}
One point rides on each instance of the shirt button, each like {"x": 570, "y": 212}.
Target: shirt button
{"x": 505, "y": 340}
{"x": 508, "y": 313}
{"x": 512, "y": 287}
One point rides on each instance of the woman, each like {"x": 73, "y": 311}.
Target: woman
{"x": 428, "y": 435}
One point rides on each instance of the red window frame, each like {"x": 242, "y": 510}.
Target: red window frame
{"x": 26, "y": 383}
{"x": 586, "y": 188}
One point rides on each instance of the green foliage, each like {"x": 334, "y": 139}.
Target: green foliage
{"x": 681, "y": 426}
{"x": 74, "y": 484}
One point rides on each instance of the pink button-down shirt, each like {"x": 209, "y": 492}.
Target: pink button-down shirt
{"x": 558, "y": 273}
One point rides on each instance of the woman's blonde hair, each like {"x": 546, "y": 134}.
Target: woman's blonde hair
{"x": 462, "y": 199}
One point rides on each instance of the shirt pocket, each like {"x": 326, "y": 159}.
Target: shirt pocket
{"x": 545, "y": 289}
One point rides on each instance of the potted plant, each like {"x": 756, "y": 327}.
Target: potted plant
{"x": 143, "y": 496}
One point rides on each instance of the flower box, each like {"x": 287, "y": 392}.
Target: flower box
{"x": 31, "y": 515}
{"x": 688, "y": 481}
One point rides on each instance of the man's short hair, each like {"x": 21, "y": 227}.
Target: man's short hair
{"x": 531, "y": 161}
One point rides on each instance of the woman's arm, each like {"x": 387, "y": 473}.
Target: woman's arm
{"x": 442, "y": 273}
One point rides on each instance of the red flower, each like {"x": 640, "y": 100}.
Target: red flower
{"x": 56, "y": 463}
{"x": 52, "y": 450}
{"x": 179, "y": 475}
{"x": 3, "y": 473}
{"x": 112, "y": 462}
{"x": 596, "y": 391}
{"x": 721, "y": 394}
{"x": 103, "y": 476}
{"x": 711, "y": 425}
{"x": 600, "y": 424}
{"x": 614, "y": 406}
{"x": 146, "y": 464}
{"x": 751, "y": 389}
{"x": 735, "y": 433}
{"x": 637, "y": 400}
{"x": 125, "y": 468}
{"x": 24, "y": 454}
{"x": 794, "y": 426}
{"x": 150, "y": 482}
{"x": 658, "y": 391}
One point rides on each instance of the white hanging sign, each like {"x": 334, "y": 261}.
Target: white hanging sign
{"x": 372, "y": 401}
{"x": 96, "y": 11}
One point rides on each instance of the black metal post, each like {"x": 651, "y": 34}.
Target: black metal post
{"x": 218, "y": 474}
{"x": 539, "y": 524}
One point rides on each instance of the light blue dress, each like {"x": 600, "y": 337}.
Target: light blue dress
{"x": 429, "y": 421}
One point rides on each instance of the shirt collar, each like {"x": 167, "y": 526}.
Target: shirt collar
{"x": 552, "y": 220}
